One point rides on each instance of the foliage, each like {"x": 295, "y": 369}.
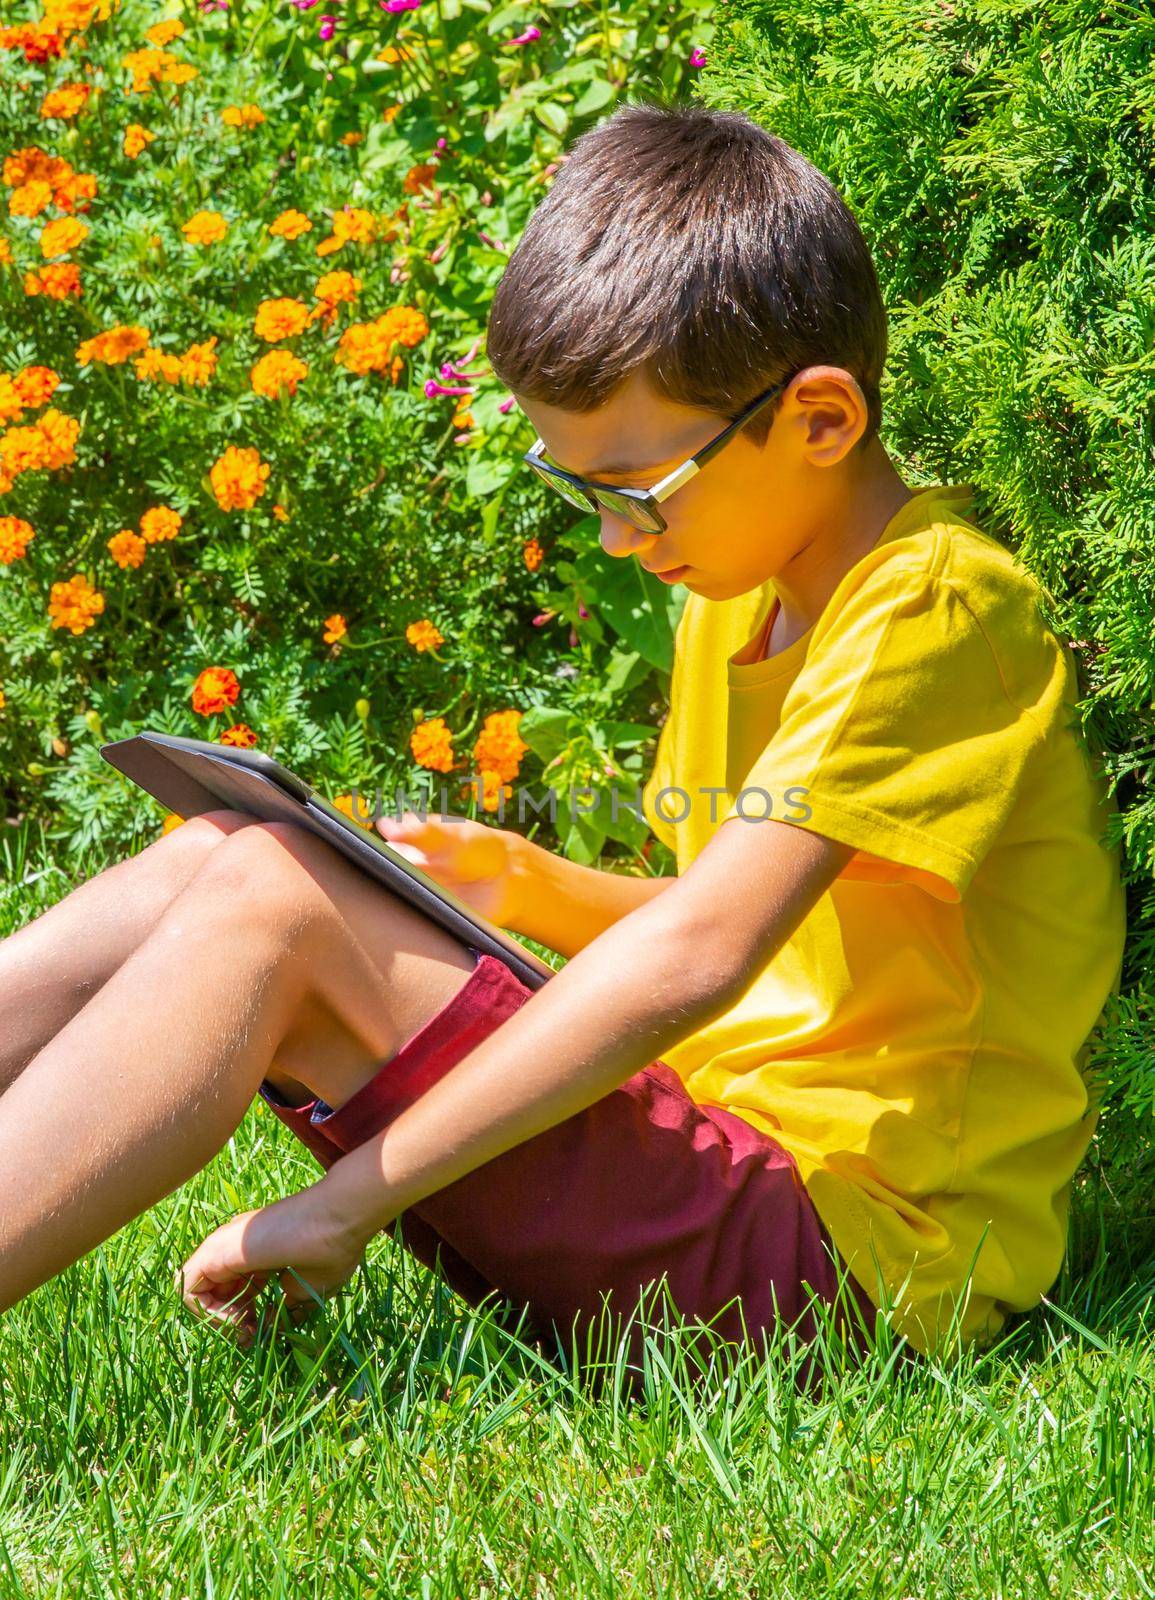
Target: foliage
{"x": 386, "y": 569}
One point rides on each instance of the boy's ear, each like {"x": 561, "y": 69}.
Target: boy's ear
{"x": 828, "y": 408}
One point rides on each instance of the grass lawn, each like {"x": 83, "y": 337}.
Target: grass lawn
{"x": 402, "y": 1444}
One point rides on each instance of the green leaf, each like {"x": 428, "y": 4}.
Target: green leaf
{"x": 486, "y": 474}
{"x": 637, "y": 606}
{"x": 553, "y": 116}
{"x": 546, "y": 731}
{"x": 599, "y": 93}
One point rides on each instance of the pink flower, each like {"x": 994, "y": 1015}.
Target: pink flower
{"x": 303, "y": 5}
{"x": 542, "y": 618}
{"x": 456, "y": 372}
{"x": 528, "y": 37}
{"x": 327, "y": 29}
{"x": 494, "y": 244}
{"x": 432, "y": 387}
{"x": 399, "y": 5}
{"x": 697, "y": 56}
{"x": 572, "y": 637}
{"x": 582, "y": 612}
{"x": 507, "y": 406}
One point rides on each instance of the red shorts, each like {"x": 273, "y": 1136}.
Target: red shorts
{"x": 641, "y": 1184}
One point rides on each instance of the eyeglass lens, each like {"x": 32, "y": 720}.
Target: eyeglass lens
{"x": 621, "y": 505}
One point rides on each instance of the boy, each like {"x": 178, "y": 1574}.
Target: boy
{"x": 849, "y": 1035}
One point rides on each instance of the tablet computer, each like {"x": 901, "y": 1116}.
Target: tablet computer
{"x": 191, "y": 776}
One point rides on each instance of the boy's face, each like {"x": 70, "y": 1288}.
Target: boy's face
{"x": 747, "y": 512}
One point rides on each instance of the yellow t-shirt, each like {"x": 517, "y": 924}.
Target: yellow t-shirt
{"x": 919, "y": 1043}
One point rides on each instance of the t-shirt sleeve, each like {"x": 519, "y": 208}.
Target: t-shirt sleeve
{"x": 902, "y": 734}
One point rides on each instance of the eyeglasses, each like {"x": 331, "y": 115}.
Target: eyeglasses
{"x": 640, "y": 506}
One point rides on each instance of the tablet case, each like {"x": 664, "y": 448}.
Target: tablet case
{"x": 191, "y": 776}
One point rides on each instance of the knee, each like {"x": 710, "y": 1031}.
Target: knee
{"x": 190, "y": 845}
{"x": 262, "y": 873}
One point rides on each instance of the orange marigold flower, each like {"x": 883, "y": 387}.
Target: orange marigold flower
{"x": 15, "y": 537}
{"x": 178, "y": 72}
{"x": 21, "y": 450}
{"x": 205, "y": 227}
{"x": 159, "y": 523}
{"x": 64, "y": 103}
{"x": 159, "y": 364}
{"x": 390, "y": 112}
{"x": 57, "y": 281}
{"x": 61, "y": 235}
{"x": 199, "y": 362}
{"x": 334, "y": 289}
{"x": 31, "y": 163}
{"x": 351, "y": 225}
{"x": 246, "y": 116}
{"x": 392, "y": 54}
{"x": 36, "y": 385}
{"x": 352, "y": 138}
{"x": 337, "y": 288}
{"x": 11, "y": 405}
{"x": 419, "y": 177}
{"x": 360, "y": 814}
{"x": 30, "y": 199}
{"x": 499, "y": 747}
{"x": 158, "y": 64}
{"x": 44, "y": 447}
{"x": 170, "y": 822}
{"x": 424, "y": 635}
{"x": 3, "y": 702}
{"x": 215, "y": 690}
{"x": 127, "y": 548}
{"x": 280, "y": 319}
{"x": 5, "y": 253}
{"x": 163, "y": 33}
{"x": 59, "y": 434}
{"x": 431, "y": 744}
{"x": 76, "y": 191}
{"x": 492, "y": 787}
{"x": 239, "y": 734}
{"x": 532, "y": 554}
{"x": 280, "y": 513}
{"x": 238, "y": 478}
{"x": 114, "y": 347}
{"x": 277, "y": 372}
{"x": 73, "y": 16}
{"x": 290, "y": 225}
{"x": 39, "y": 44}
{"x": 136, "y": 138}
{"x": 335, "y": 628}
{"x": 368, "y": 346}
{"x": 74, "y": 605}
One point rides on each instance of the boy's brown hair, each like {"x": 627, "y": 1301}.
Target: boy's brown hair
{"x": 698, "y": 246}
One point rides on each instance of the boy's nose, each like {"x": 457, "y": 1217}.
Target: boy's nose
{"x": 621, "y": 538}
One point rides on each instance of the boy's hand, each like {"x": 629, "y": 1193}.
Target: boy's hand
{"x": 480, "y": 864}
{"x": 225, "y": 1275}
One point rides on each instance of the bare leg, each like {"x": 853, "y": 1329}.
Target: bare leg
{"x": 278, "y": 949}
{"x": 51, "y": 966}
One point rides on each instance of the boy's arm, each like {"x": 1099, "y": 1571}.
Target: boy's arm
{"x": 654, "y": 976}
{"x": 563, "y": 905}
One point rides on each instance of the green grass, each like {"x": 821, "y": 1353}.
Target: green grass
{"x": 403, "y": 1444}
